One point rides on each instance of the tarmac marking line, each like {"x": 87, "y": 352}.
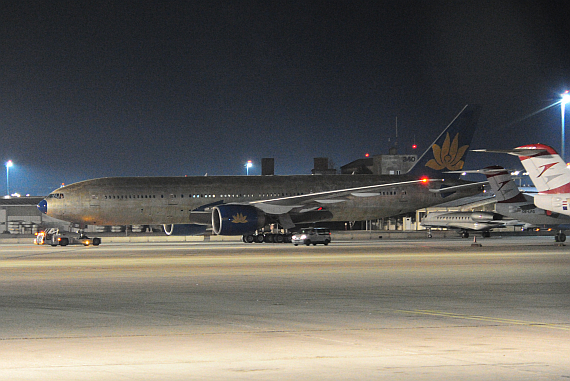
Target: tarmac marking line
{"x": 486, "y": 318}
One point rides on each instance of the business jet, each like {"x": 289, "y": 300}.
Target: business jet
{"x": 465, "y": 222}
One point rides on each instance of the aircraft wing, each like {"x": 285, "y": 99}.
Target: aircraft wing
{"x": 311, "y": 201}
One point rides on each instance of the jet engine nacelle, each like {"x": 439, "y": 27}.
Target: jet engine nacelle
{"x": 236, "y": 219}
{"x": 483, "y": 216}
{"x": 184, "y": 229}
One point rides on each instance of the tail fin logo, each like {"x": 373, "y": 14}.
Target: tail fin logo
{"x": 545, "y": 168}
{"x": 448, "y": 155}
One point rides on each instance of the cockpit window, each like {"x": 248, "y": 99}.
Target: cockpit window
{"x": 56, "y": 195}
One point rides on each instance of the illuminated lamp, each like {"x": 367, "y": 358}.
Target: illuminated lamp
{"x": 248, "y": 165}
{"x": 565, "y": 99}
{"x": 9, "y": 164}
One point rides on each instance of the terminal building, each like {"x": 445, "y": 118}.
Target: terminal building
{"x": 380, "y": 165}
{"x": 20, "y": 215}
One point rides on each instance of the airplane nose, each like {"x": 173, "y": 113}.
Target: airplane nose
{"x": 42, "y": 206}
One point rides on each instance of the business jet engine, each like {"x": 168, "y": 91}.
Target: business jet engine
{"x": 236, "y": 219}
{"x": 485, "y": 216}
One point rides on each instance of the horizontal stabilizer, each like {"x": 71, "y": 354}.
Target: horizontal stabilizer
{"x": 484, "y": 171}
{"x": 456, "y": 187}
{"x": 515, "y": 151}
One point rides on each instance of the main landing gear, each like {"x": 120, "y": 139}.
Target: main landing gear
{"x": 560, "y": 237}
{"x": 267, "y": 238}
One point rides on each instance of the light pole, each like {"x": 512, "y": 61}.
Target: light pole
{"x": 565, "y": 99}
{"x": 8, "y": 165}
{"x": 248, "y": 165}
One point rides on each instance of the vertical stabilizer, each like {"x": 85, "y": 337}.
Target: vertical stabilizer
{"x": 503, "y": 185}
{"x": 546, "y": 168}
{"x": 447, "y": 152}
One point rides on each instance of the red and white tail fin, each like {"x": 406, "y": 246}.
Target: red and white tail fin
{"x": 503, "y": 185}
{"x": 546, "y": 168}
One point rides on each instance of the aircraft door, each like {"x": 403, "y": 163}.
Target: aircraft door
{"x": 94, "y": 201}
{"x": 172, "y": 200}
{"x": 403, "y": 195}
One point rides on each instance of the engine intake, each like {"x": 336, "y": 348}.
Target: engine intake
{"x": 184, "y": 229}
{"x": 236, "y": 219}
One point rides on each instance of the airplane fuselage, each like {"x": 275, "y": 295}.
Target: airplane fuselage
{"x": 170, "y": 200}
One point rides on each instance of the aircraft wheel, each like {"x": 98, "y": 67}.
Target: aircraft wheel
{"x": 278, "y": 238}
{"x": 430, "y": 235}
{"x": 268, "y": 238}
{"x": 486, "y": 234}
{"x": 561, "y": 237}
{"x": 465, "y": 235}
{"x": 249, "y": 238}
{"x": 258, "y": 238}
{"x": 96, "y": 241}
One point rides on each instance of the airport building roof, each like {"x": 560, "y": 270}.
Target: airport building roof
{"x": 21, "y": 201}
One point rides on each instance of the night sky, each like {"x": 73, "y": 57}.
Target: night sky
{"x": 135, "y": 88}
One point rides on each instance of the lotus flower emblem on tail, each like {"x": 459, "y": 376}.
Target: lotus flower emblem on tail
{"x": 448, "y": 155}
{"x": 239, "y": 219}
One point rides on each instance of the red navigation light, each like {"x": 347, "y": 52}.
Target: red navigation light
{"x": 414, "y": 146}
{"x": 366, "y": 155}
{"x": 424, "y": 180}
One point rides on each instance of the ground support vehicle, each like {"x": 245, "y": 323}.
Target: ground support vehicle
{"x": 53, "y": 237}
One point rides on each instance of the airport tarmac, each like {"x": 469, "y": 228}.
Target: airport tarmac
{"x": 358, "y": 310}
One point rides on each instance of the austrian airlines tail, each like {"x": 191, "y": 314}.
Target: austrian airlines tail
{"x": 545, "y": 167}
{"x": 503, "y": 185}
{"x": 549, "y": 174}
